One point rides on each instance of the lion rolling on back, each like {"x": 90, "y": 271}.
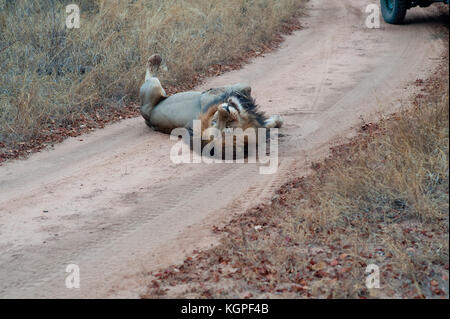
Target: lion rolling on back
{"x": 222, "y": 108}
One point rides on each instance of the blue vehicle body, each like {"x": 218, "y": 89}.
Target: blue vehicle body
{"x": 394, "y": 11}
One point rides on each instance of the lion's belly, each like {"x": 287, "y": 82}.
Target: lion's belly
{"x": 178, "y": 110}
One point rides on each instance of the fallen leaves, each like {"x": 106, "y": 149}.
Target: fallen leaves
{"x": 334, "y": 262}
{"x": 434, "y": 283}
{"x": 319, "y": 266}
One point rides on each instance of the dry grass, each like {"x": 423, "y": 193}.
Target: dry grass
{"x": 381, "y": 199}
{"x": 51, "y": 75}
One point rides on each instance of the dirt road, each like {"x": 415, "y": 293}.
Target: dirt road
{"x": 113, "y": 203}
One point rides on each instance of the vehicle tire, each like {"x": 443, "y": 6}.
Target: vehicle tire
{"x": 394, "y": 11}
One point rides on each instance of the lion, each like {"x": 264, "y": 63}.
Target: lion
{"x": 223, "y": 108}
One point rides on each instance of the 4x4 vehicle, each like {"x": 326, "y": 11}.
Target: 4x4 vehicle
{"x": 394, "y": 11}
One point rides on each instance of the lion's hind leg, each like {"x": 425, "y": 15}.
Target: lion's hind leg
{"x": 151, "y": 92}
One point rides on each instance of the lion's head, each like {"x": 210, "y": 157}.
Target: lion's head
{"x": 238, "y": 112}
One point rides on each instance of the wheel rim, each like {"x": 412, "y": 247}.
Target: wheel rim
{"x": 389, "y": 4}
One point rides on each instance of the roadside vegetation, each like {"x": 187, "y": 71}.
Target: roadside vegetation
{"x": 57, "y": 82}
{"x": 380, "y": 199}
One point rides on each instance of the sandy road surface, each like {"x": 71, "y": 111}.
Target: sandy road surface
{"x": 115, "y": 204}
